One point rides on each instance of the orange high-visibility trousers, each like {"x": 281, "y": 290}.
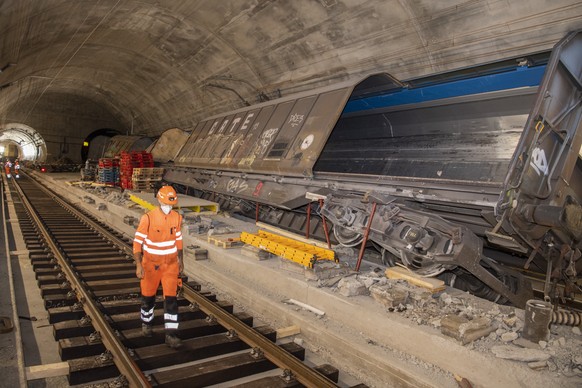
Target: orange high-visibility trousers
{"x": 154, "y": 273}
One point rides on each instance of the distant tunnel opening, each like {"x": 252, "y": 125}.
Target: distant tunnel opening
{"x": 22, "y": 142}
{"x": 96, "y": 142}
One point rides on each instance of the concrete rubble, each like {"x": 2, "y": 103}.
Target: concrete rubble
{"x": 325, "y": 270}
{"x": 516, "y": 353}
{"x": 476, "y": 323}
{"x": 509, "y": 337}
{"x": 522, "y": 342}
{"x": 389, "y": 297}
{"x": 466, "y": 330}
{"x": 351, "y": 286}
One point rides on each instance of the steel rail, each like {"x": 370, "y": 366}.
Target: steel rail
{"x": 121, "y": 357}
{"x": 278, "y": 356}
{"x": 284, "y": 360}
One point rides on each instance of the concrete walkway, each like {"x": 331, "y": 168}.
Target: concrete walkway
{"x": 11, "y": 362}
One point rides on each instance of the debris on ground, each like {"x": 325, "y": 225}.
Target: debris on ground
{"x": 351, "y": 286}
{"x": 474, "y": 322}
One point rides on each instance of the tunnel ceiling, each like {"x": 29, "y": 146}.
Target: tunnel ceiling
{"x": 153, "y": 65}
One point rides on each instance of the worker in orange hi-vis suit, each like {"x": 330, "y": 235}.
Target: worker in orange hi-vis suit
{"x": 16, "y": 169}
{"x": 157, "y": 249}
{"x": 7, "y": 168}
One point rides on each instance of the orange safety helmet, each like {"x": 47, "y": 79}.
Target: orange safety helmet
{"x": 167, "y": 195}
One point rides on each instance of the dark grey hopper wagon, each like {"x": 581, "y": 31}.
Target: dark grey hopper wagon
{"x": 501, "y": 169}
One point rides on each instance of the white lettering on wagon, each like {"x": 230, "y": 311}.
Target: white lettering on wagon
{"x": 213, "y": 128}
{"x": 266, "y": 139}
{"x": 296, "y": 119}
{"x": 236, "y": 185}
{"x": 234, "y": 123}
{"x": 538, "y": 161}
{"x": 223, "y": 126}
{"x": 247, "y": 121}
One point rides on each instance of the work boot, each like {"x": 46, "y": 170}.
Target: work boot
{"x": 173, "y": 341}
{"x": 146, "y": 330}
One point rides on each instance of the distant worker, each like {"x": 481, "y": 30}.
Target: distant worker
{"x": 157, "y": 249}
{"x": 16, "y": 169}
{"x": 8, "y": 168}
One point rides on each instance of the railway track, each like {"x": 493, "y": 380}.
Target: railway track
{"x": 86, "y": 277}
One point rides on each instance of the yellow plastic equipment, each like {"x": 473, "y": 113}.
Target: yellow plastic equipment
{"x": 299, "y": 252}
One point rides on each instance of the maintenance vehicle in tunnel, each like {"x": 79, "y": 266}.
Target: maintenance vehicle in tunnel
{"x": 453, "y": 175}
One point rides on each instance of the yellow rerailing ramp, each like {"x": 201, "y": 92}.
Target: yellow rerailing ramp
{"x": 149, "y": 205}
{"x": 198, "y": 205}
{"x": 299, "y": 252}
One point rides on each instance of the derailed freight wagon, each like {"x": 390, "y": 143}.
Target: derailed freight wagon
{"x": 125, "y": 143}
{"x": 438, "y": 169}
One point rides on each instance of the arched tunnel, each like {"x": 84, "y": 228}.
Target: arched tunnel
{"x": 70, "y": 68}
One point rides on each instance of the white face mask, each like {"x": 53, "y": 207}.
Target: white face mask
{"x": 166, "y": 208}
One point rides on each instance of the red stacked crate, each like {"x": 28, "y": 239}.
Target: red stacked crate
{"x": 131, "y": 160}
{"x": 126, "y": 169}
{"x": 147, "y": 159}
